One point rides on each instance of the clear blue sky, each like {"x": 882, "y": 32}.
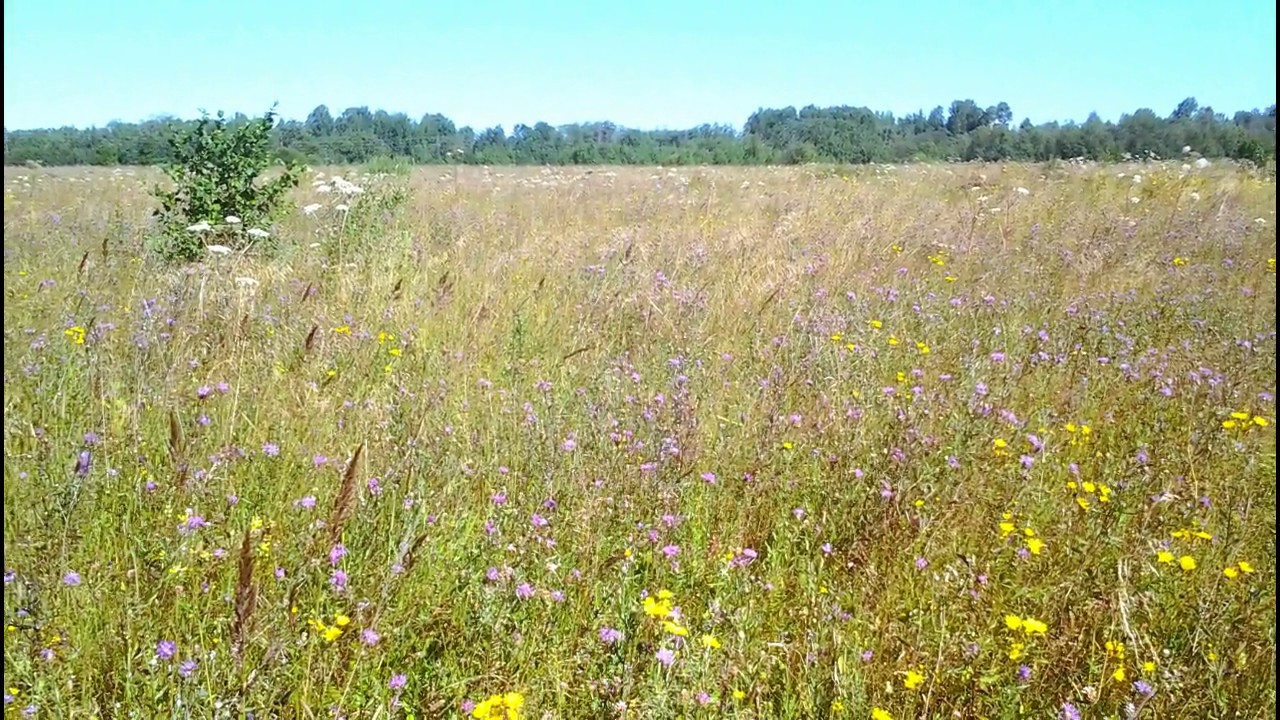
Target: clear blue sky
{"x": 655, "y": 63}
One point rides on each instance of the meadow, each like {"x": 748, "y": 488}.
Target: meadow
{"x": 925, "y": 441}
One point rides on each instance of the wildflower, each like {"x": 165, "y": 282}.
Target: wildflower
{"x": 165, "y": 649}
{"x": 1015, "y": 650}
{"x": 1013, "y": 622}
{"x": 1035, "y": 545}
{"x": 880, "y": 714}
{"x": 1165, "y": 557}
{"x": 710, "y": 642}
{"x": 675, "y": 628}
{"x": 398, "y": 681}
{"x": 83, "y": 462}
{"x": 71, "y": 578}
{"x": 665, "y": 656}
{"x": 876, "y": 324}
{"x": 331, "y": 633}
{"x": 1032, "y": 626}
{"x": 1245, "y": 567}
{"x": 893, "y": 339}
{"x": 1187, "y": 563}
{"x": 524, "y": 591}
{"x": 1144, "y": 688}
{"x": 610, "y": 636}
{"x": 187, "y": 668}
{"x": 739, "y": 695}
{"x": 1232, "y": 573}
{"x": 1069, "y": 712}
{"x": 1024, "y": 673}
{"x": 913, "y": 680}
{"x": 1119, "y": 674}
{"x": 338, "y": 580}
{"x": 369, "y": 637}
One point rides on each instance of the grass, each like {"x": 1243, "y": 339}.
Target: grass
{"x": 925, "y": 441}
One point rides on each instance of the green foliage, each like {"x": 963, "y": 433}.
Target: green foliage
{"x": 843, "y": 134}
{"x": 216, "y": 170}
{"x": 387, "y": 165}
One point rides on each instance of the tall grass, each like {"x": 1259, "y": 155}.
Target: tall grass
{"x": 921, "y": 441}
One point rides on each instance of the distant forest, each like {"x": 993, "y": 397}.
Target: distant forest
{"x": 964, "y": 131}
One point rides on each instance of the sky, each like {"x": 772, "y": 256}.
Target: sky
{"x": 652, "y": 64}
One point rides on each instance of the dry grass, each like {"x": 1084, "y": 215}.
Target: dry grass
{"x": 854, "y": 423}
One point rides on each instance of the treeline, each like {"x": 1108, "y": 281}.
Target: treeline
{"x": 965, "y": 131}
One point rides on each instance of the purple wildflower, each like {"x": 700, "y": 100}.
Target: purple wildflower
{"x": 71, "y": 579}
{"x": 709, "y": 478}
{"x": 187, "y": 668}
{"x": 610, "y": 636}
{"x": 91, "y": 438}
{"x": 270, "y": 449}
{"x": 338, "y": 580}
{"x": 336, "y": 553}
{"x": 1027, "y": 461}
{"x": 1143, "y": 688}
{"x": 319, "y": 460}
{"x": 165, "y": 649}
{"x": 9, "y": 576}
{"x": 671, "y": 550}
{"x": 921, "y": 563}
{"x": 524, "y": 591}
{"x": 203, "y": 391}
{"x": 1024, "y": 673}
{"x": 1069, "y": 712}
{"x": 398, "y": 681}
{"x": 83, "y": 462}
{"x": 306, "y": 503}
{"x": 538, "y": 521}
{"x": 867, "y": 655}
{"x": 369, "y": 637}
{"x": 665, "y": 656}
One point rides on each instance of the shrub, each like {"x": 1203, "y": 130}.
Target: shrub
{"x": 217, "y": 174}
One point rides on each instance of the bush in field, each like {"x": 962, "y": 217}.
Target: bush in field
{"x": 218, "y": 187}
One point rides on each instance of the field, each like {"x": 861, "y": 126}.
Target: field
{"x": 882, "y": 442}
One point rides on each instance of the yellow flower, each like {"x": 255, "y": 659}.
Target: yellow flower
{"x": 913, "y": 680}
{"x": 1245, "y": 567}
{"x": 1013, "y": 622}
{"x": 1165, "y": 557}
{"x": 674, "y": 629}
{"x": 1228, "y": 424}
{"x": 710, "y": 642}
{"x": 1179, "y": 261}
{"x": 1015, "y": 650}
{"x": 341, "y": 620}
{"x": 1070, "y": 427}
{"x": 343, "y": 330}
{"x": 836, "y": 706}
{"x": 332, "y": 633}
{"x": 1240, "y": 415}
{"x": 660, "y": 608}
{"x": 880, "y": 714}
{"x": 924, "y": 349}
{"x": 499, "y": 707}
{"x": 1083, "y": 503}
{"x": 1035, "y": 545}
{"x": 1232, "y": 573}
{"x": 788, "y": 445}
{"x": 1006, "y": 529}
{"x": 1260, "y": 421}
{"x": 1000, "y": 443}
{"x": 876, "y": 324}
{"x": 1119, "y": 674}
{"x": 1031, "y": 625}
{"x": 1089, "y": 487}
{"x": 836, "y": 337}
{"x": 75, "y": 333}
{"x": 738, "y": 694}
{"x": 1115, "y": 649}
{"x": 1148, "y": 667}
{"x": 1187, "y": 563}
{"x": 394, "y": 352}
{"x": 893, "y": 339}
